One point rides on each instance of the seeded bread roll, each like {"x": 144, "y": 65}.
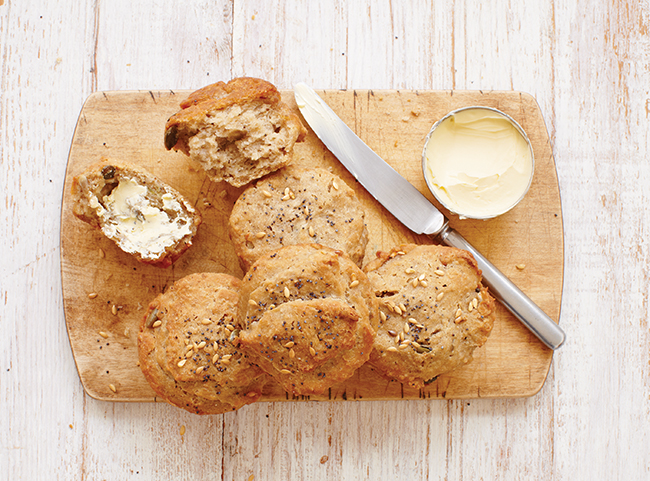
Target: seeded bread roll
{"x": 434, "y": 311}
{"x": 238, "y": 131}
{"x": 307, "y": 317}
{"x": 297, "y": 206}
{"x": 142, "y": 215}
{"x": 186, "y": 351}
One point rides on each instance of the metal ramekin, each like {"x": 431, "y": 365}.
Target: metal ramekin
{"x": 424, "y": 160}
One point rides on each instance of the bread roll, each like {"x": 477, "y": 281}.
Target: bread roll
{"x": 434, "y": 311}
{"x": 307, "y": 317}
{"x": 296, "y": 205}
{"x": 238, "y": 131}
{"x": 141, "y": 214}
{"x": 186, "y": 348}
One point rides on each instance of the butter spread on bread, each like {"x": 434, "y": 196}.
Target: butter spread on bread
{"x": 141, "y": 214}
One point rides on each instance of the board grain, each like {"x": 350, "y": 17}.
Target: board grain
{"x": 128, "y": 126}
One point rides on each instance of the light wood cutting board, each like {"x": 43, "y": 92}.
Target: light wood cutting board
{"x": 129, "y": 126}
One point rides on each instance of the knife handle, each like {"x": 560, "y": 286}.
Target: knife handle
{"x": 520, "y": 305}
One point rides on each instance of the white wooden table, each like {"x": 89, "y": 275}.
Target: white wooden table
{"x": 587, "y": 64}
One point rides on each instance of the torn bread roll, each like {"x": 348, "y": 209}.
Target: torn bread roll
{"x": 142, "y": 215}
{"x": 238, "y": 131}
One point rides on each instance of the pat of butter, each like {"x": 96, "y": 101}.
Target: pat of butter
{"x": 136, "y": 225}
{"x": 478, "y": 163}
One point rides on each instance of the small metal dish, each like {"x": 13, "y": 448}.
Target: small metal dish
{"x": 435, "y": 189}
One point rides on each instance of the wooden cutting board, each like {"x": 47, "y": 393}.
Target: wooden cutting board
{"x": 105, "y": 291}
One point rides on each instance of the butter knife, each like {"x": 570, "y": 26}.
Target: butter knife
{"x": 414, "y": 210}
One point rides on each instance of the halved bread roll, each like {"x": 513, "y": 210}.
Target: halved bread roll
{"x": 142, "y": 215}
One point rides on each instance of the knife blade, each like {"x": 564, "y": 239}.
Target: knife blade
{"x": 414, "y": 210}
